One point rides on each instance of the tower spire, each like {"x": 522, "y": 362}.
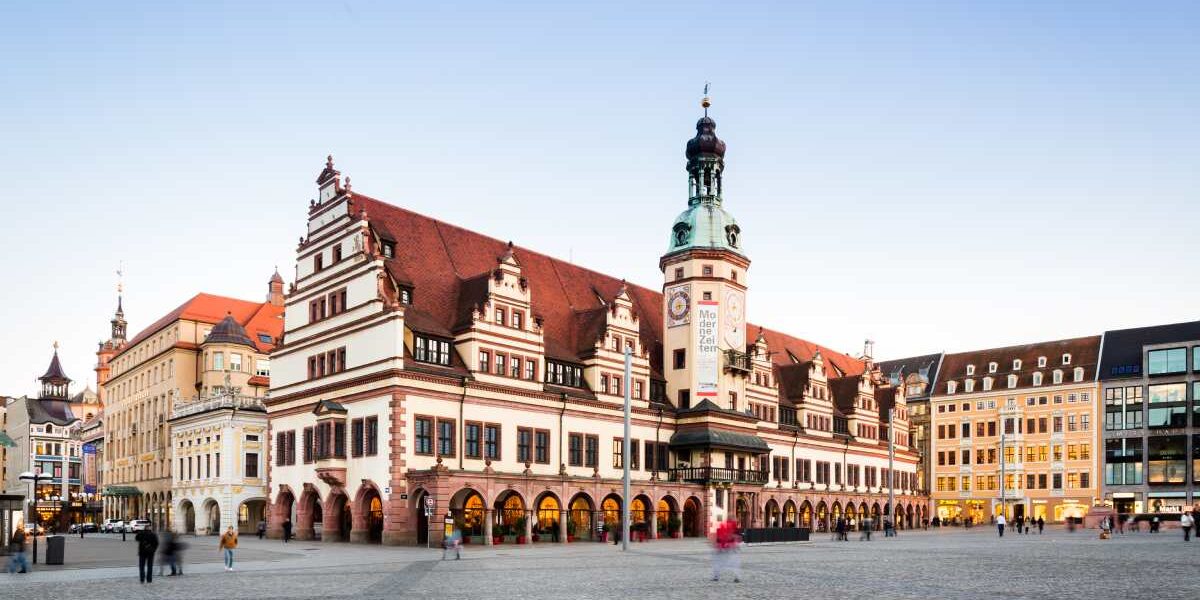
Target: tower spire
{"x": 118, "y": 321}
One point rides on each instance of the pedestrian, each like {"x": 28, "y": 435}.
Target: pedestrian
{"x": 81, "y": 531}
{"x": 1041, "y": 522}
{"x": 147, "y": 544}
{"x": 554, "y": 530}
{"x": 725, "y": 551}
{"x": 840, "y": 530}
{"x": 227, "y": 544}
{"x": 262, "y": 528}
{"x": 1000, "y": 524}
{"x": 1154, "y": 524}
{"x": 17, "y": 547}
{"x": 1121, "y": 524}
{"x": 1185, "y": 523}
{"x": 867, "y": 523}
{"x": 166, "y": 553}
{"x": 453, "y": 542}
{"x": 287, "y": 530}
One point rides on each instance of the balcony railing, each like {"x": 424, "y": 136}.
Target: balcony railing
{"x": 193, "y": 406}
{"x": 738, "y": 362}
{"x": 707, "y": 474}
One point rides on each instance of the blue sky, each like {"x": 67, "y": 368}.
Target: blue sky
{"x": 934, "y": 176}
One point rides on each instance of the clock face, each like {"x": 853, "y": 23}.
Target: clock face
{"x": 678, "y": 306}
{"x": 735, "y": 316}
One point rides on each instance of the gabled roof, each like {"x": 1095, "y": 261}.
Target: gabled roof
{"x": 1122, "y": 354}
{"x": 254, "y": 317}
{"x": 1084, "y": 351}
{"x": 443, "y": 263}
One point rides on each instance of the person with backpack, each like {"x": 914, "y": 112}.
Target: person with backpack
{"x": 227, "y": 544}
{"x": 147, "y": 544}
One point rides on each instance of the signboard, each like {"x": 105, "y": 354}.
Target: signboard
{"x": 387, "y": 490}
{"x": 707, "y": 350}
{"x": 402, "y": 496}
{"x": 428, "y": 501}
{"x": 89, "y": 448}
{"x": 89, "y": 489}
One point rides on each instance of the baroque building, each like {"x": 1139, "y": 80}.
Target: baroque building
{"x": 196, "y": 351}
{"x": 1015, "y": 430}
{"x": 918, "y": 377}
{"x": 431, "y": 372}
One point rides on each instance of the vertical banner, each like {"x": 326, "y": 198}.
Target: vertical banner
{"x": 706, "y": 349}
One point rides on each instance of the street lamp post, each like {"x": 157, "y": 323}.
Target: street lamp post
{"x": 33, "y": 478}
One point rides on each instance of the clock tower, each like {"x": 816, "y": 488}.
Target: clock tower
{"x": 704, "y": 287}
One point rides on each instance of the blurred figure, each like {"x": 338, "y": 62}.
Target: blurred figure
{"x": 287, "y": 530}
{"x": 453, "y": 542}
{"x": 147, "y": 545}
{"x": 725, "y": 550}
{"x": 18, "y": 551}
{"x": 262, "y": 528}
{"x": 169, "y": 554}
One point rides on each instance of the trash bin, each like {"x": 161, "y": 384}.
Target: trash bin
{"x": 55, "y": 549}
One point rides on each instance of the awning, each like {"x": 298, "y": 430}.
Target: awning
{"x": 7, "y": 441}
{"x": 719, "y": 438}
{"x": 122, "y": 491}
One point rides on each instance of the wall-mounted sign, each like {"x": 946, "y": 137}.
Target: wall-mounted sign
{"x": 706, "y": 348}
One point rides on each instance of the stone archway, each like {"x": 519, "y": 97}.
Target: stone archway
{"x": 310, "y": 515}
{"x": 610, "y": 513}
{"x": 667, "y": 521}
{"x": 468, "y": 510}
{"x": 824, "y": 518}
{"x": 640, "y": 510}
{"x": 188, "y": 511}
{"x": 249, "y": 513}
{"x": 693, "y": 518}
{"x": 512, "y": 516}
{"x": 281, "y": 512}
{"x": 420, "y": 518}
{"x": 771, "y": 514}
{"x": 790, "y": 516}
{"x": 581, "y": 522}
{"x": 339, "y": 518}
{"x": 212, "y": 517}
{"x": 547, "y": 518}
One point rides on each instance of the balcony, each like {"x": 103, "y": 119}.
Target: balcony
{"x": 737, "y": 362}
{"x": 715, "y": 474}
{"x": 183, "y": 408}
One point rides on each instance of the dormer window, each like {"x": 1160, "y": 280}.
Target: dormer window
{"x": 1058, "y": 376}
{"x": 987, "y": 384}
{"x": 992, "y": 367}
{"x": 1041, "y": 362}
{"x": 951, "y": 387}
{"x": 1016, "y": 364}
{"x": 1037, "y": 379}
{"x": 1078, "y": 374}
{"x": 1066, "y": 359}
{"x": 516, "y": 319}
{"x": 1012, "y": 381}
{"x": 405, "y": 296}
{"x": 969, "y": 386}
{"x": 389, "y": 249}
{"x": 970, "y": 369}
{"x": 431, "y": 350}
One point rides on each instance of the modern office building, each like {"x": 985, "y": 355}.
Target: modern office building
{"x": 1150, "y": 383}
{"x": 1015, "y": 429}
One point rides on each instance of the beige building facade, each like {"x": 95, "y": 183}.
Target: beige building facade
{"x": 1015, "y": 430}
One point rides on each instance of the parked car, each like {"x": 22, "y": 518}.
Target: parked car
{"x": 138, "y": 525}
{"x": 112, "y": 526}
{"x": 86, "y": 527}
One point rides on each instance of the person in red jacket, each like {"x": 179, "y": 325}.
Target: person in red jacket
{"x": 726, "y": 542}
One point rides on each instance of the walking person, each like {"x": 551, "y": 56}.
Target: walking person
{"x": 287, "y": 530}
{"x": 1000, "y": 521}
{"x": 17, "y": 547}
{"x": 725, "y": 551}
{"x": 227, "y": 544}
{"x": 1041, "y": 524}
{"x": 1185, "y": 523}
{"x": 147, "y": 545}
{"x": 453, "y": 542}
{"x": 262, "y": 528}
{"x": 166, "y": 553}
{"x": 1121, "y": 524}
{"x": 867, "y": 524}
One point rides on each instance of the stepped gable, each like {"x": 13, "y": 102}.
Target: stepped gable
{"x": 443, "y": 263}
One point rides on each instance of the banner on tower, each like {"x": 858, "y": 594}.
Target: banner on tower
{"x": 706, "y": 349}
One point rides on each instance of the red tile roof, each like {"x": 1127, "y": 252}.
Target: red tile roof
{"x": 255, "y": 317}
{"x": 1084, "y": 351}
{"x": 444, "y": 262}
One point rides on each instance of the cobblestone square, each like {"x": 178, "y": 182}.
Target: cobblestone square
{"x": 930, "y": 564}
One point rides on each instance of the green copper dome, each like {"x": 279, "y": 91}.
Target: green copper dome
{"x": 705, "y": 224}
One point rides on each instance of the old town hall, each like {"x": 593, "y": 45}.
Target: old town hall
{"x": 428, "y": 372}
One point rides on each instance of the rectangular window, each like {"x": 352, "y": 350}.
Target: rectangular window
{"x": 524, "y": 445}
{"x": 1172, "y": 360}
{"x": 252, "y": 465}
{"x": 356, "y": 437}
{"x": 541, "y": 446}
{"x": 501, "y": 362}
{"x": 432, "y": 350}
{"x": 308, "y": 444}
{"x": 446, "y": 445}
{"x": 423, "y": 435}
{"x": 485, "y": 361}
{"x": 339, "y": 439}
{"x": 472, "y": 448}
{"x": 530, "y": 369}
{"x": 618, "y": 447}
{"x": 372, "y": 436}
{"x": 591, "y": 457}
{"x": 575, "y": 450}
{"x": 514, "y": 367}
{"x": 1166, "y": 459}
{"x": 491, "y": 441}
{"x": 679, "y": 358}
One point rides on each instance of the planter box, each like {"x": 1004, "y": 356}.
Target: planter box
{"x": 497, "y": 539}
{"x": 520, "y": 539}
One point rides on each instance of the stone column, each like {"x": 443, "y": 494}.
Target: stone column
{"x": 529, "y": 516}
{"x": 562, "y": 526}
{"x": 304, "y": 522}
{"x": 653, "y": 524}
{"x": 358, "y": 524}
{"x": 487, "y": 526}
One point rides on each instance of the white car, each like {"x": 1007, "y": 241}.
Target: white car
{"x": 112, "y": 526}
{"x": 138, "y": 525}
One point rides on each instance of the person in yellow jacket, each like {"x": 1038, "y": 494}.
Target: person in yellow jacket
{"x": 228, "y": 543}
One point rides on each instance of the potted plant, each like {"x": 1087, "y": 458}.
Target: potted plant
{"x": 675, "y": 526}
{"x": 519, "y": 530}
{"x": 498, "y": 533}
{"x": 570, "y": 530}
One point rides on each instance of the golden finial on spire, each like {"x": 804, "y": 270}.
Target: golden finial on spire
{"x": 706, "y": 101}
{"x": 56, "y": 345}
